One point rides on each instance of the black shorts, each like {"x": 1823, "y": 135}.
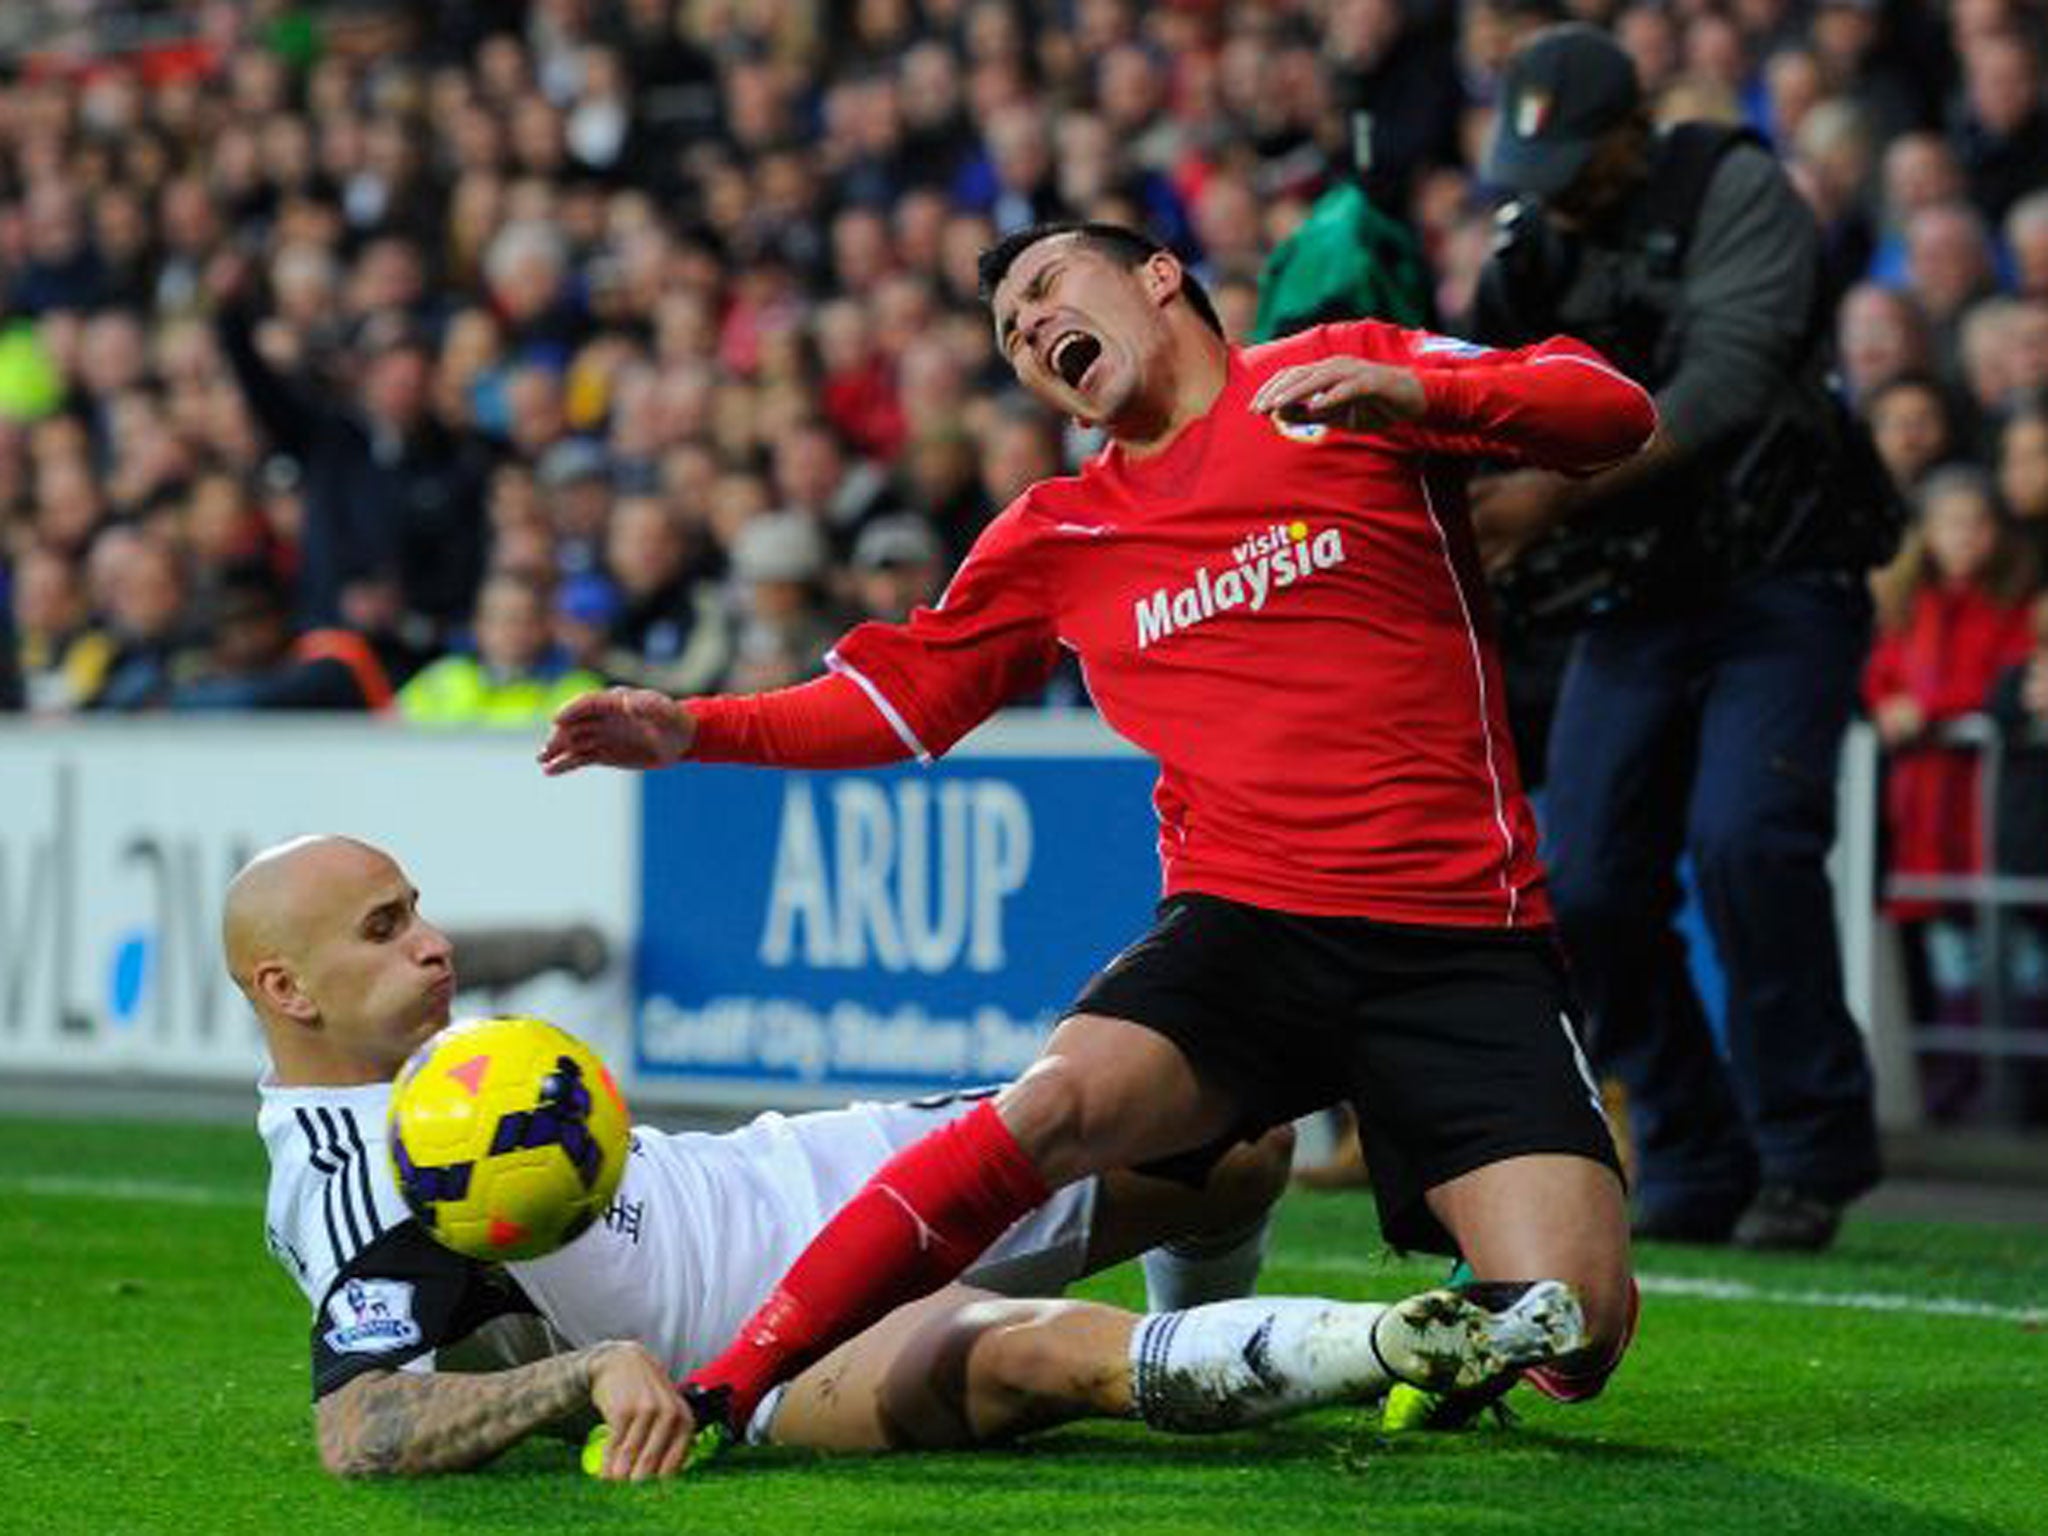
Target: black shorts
{"x": 1457, "y": 1047}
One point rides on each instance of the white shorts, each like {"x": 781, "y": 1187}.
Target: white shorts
{"x": 703, "y": 1226}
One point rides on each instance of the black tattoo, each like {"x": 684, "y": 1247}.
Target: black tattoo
{"x": 390, "y": 1423}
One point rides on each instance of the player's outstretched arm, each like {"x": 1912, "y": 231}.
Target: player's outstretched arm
{"x": 618, "y": 728}
{"x": 400, "y": 1424}
{"x": 829, "y": 722}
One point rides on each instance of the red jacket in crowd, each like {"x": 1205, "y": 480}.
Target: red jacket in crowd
{"x": 1945, "y": 657}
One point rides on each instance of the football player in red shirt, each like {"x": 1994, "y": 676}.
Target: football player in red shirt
{"x": 1272, "y": 583}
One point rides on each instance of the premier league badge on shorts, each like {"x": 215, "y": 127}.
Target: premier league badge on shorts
{"x": 371, "y": 1317}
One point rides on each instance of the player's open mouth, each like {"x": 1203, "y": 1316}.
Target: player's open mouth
{"x": 1072, "y": 355}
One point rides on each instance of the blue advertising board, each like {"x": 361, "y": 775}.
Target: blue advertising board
{"x": 810, "y": 937}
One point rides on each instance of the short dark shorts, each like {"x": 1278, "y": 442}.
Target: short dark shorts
{"x": 1458, "y": 1047}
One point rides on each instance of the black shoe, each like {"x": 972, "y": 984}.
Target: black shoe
{"x": 1783, "y": 1220}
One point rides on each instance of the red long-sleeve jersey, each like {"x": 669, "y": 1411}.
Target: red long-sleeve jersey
{"x": 1291, "y": 619}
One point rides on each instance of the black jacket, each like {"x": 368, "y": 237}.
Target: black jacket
{"x": 411, "y": 508}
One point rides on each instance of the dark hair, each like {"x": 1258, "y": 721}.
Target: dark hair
{"x": 1126, "y": 246}
{"x": 1912, "y": 379}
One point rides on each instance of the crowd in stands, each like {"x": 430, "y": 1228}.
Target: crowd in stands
{"x": 445, "y": 358}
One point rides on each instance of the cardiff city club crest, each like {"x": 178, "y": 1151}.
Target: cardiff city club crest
{"x": 1532, "y": 111}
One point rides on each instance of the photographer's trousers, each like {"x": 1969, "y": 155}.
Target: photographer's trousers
{"x": 1716, "y": 731}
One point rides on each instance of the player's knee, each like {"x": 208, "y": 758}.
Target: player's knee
{"x": 1610, "y": 1316}
{"x": 1033, "y": 1370}
{"x": 1584, "y": 1374}
{"x": 1062, "y": 1119}
{"x": 1607, "y": 1303}
{"x": 923, "y": 1399}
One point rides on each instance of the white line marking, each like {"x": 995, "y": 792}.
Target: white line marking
{"x": 1700, "y": 1288}
{"x": 1846, "y": 1301}
{"x": 138, "y": 1191}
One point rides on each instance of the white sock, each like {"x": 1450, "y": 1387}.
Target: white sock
{"x": 1191, "y": 1271}
{"x": 1242, "y": 1362}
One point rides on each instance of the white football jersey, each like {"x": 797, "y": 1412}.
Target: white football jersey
{"x": 700, "y": 1230}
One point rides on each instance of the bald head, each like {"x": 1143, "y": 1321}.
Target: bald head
{"x": 272, "y": 901}
{"x": 324, "y": 936}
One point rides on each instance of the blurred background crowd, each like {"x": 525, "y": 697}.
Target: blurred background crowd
{"x": 450, "y": 357}
{"x": 447, "y": 359}
{"x": 455, "y": 355}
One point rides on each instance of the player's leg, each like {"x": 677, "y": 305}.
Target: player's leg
{"x": 1195, "y": 1243}
{"x": 964, "y": 1367}
{"x": 1105, "y": 1092}
{"x": 1558, "y": 1215}
{"x": 1483, "y": 1124}
{"x": 1109, "y": 1093}
{"x": 960, "y": 1367}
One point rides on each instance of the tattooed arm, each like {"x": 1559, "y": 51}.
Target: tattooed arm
{"x": 386, "y": 1423}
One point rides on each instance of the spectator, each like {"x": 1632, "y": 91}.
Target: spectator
{"x": 898, "y": 565}
{"x": 1912, "y": 425}
{"x": 2026, "y": 240}
{"x": 670, "y": 632}
{"x": 938, "y": 139}
{"x": 2002, "y": 133}
{"x": 586, "y": 607}
{"x": 2027, "y": 351}
{"x": 388, "y": 485}
{"x": 813, "y": 476}
{"x": 1397, "y": 69}
{"x": 69, "y": 504}
{"x": 1920, "y": 171}
{"x": 1949, "y": 267}
{"x": 1954, "y": 617}
{"x": 527, "y": 273}
{"x": 1792, "y": 88}
{"x": 779, "y": 563}
{"x": 1855, "y": 59}
{"x": 146, "y": 616}
{"x": 858, "y": 390}
{"x": 576, "y": 492}
{"x": 516, "y": 675}
{"x": 62, "y": 270}
{"x": 1022, "y": 186}
{"x": 2022, "y": 470}
{"x": 249, "y": 640}
{"x": 355, "y": 666}
{"x": 60, "y": 655}
{"x": 1831, "y": 166}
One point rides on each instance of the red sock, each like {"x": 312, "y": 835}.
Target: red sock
{"x": 924, "y": 1216}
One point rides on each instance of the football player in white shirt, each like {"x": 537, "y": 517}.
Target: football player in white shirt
{"x": 425, "y": 1361}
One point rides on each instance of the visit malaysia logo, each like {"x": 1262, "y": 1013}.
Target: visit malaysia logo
{"x": 1270, "y": 561}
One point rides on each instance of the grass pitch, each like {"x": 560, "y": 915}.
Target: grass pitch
{"x": 153, "y": 1379}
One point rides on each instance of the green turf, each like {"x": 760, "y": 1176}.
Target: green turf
{"x": 153, "y": 1379}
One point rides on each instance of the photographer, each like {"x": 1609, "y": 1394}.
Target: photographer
{"x": 1718, "y": 580}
